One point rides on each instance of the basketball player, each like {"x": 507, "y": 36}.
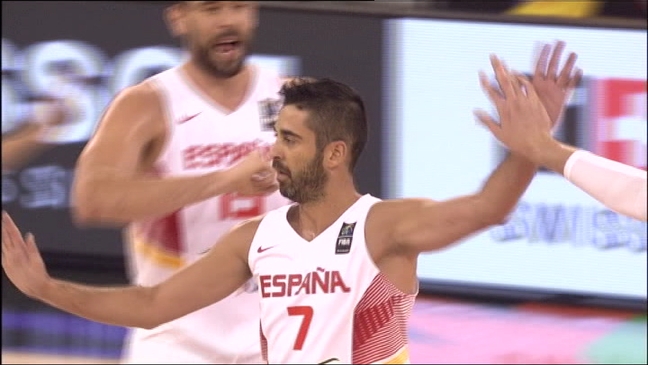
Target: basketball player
{"x": 336, "y": 269}
{"x": 525, "y": 128}
{"x": 164, "y": 161}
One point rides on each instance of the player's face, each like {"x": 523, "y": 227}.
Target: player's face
{"x": 298, "y": 162}
{"x": 219, "y": 34}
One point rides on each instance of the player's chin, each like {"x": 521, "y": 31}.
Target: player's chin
{"x": 228, "y": 63}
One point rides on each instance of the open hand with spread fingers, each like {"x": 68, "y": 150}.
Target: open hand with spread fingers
{"x": 524, "y": 121}
{"x": 21, "y": 260}
{"x": 554, "y": 88}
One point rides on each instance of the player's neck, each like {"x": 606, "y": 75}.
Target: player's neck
{"x": 314, "y": 217}
{"x": 210, "y": 81}
{"x": 226, "y": 91}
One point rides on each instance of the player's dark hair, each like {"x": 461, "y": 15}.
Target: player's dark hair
{"x": 337, "y": 112}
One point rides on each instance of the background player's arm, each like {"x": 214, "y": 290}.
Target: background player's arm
{"x": 20, "y": 147}
{"x": 419, "y": 225}
{"x": 29, "y": 141}
{"x": 619, "y": 187}
{"x": 109, "y": 186}
{"x": 210, "y": 279}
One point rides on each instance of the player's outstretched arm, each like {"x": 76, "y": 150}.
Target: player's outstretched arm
{"x": 418, "y": 225}
{"x": 620, "y": 187}
{"x": 210, "y": 279}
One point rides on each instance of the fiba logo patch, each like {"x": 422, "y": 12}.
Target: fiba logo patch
{"x": 268, "y": 113}
{"x": 345, "y": 238}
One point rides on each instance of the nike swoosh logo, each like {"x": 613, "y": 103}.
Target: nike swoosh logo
{"x": 188, "y": 118}
{"x": 260, "y": 249}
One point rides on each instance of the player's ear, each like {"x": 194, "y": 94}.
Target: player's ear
{"x": 335, "y": 154}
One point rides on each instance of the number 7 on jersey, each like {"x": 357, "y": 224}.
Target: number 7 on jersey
{"x": 306, "y": 312}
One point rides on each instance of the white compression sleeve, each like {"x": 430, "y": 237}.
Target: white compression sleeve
{"x": 620, "y": 187}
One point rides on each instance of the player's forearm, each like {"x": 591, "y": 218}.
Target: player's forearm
{"x": 551, "y": 154}
{"x": 503, "y": 189}
{"x": 126, "y": 306}
{"x": 21, "y": 147}
{"x": 620, "y": 187}
{"x": 109, "y": 201}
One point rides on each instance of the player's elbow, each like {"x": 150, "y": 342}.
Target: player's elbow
{"x": 86, "y": 206}
{"x": 149, "y": 320}
{"x": 92, "y": 205}
{"x": 154, "y": 320}
{"x": 154, "y": 314}
{"x": 150, "y": 324}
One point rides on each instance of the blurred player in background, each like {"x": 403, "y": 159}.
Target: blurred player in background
{"x": 177, "y": 158}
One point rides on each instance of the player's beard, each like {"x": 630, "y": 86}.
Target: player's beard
{"x": 305, "y": 186}
{"x": 207, "y": 58}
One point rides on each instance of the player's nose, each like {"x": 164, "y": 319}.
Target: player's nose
{"x": 275, "y": 151}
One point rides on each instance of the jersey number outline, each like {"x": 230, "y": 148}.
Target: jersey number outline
{"x": 306, "y": 311}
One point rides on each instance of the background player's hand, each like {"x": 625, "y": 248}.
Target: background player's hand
{"x": 52, "y": 113}
{"x": 254, "y": 174}
{"x": 524, "y": 123}
{"x": 265, "y": 182}
{"x": 555, "y": 88}
{"x": 49, "y": 115}
{"x": 21, "y": 260}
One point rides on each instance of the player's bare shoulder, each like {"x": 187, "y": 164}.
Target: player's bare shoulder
{"x": 247, "y": 228}
{"x": 242, "y": 234}
{"x": 135, "y": 108}
{"x": 386, "y": 211}
{"x": 384, "y": 221}
{"x": 146, "y": 99}
{"x": 134, "y": 119}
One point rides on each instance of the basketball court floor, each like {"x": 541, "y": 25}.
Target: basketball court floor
{"x": 442, "y": 331}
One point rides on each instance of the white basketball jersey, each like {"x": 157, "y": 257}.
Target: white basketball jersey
{"x": 204, "y": 138}
{"x": 325, "y": 300}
